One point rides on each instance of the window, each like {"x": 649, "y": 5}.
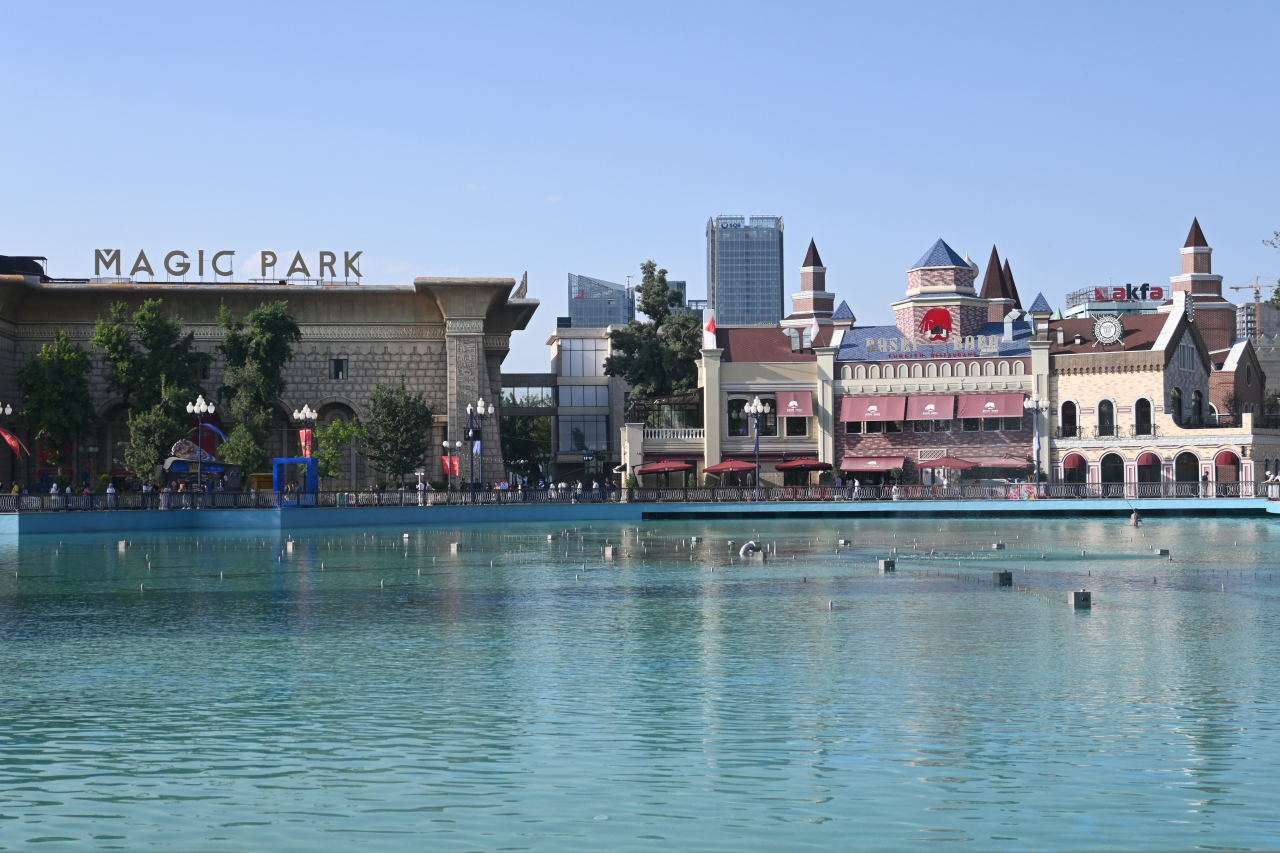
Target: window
{"x": 1012, "y": 424}
{"x": 204, "y": 372}
{"x": 797, "y": 427}
{"x": 583, "y": 433}
{"x": 1197, "y": 407}
{"x": 1175, "y": 405}
{"x": 1106, "y": 418}
{"x": 893, "y": 426}
{"x": 873, "y": 427}
{"x": 942, "y": 426}
{"x": 920, "y": 426}
{"x": 1248, "y": 374}
{"x": 860, "y": 373}
{"x": 853, "y": 427}
{"x": 583, "y": 356}
{"x": 1067, "y": 420}
{"x": 1142, "y": 417}
{"x": 971, "y": 424}
{"x": 337, "y": 368}
{"x": 528, "y": 397}
{"x": 584, "y": 395}
{"x": 739, "y": 423}
{"x": 992, "y": 424}
{"x": 846, "y": 373}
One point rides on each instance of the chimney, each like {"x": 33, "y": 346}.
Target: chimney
{"x": 1008, "y": 323}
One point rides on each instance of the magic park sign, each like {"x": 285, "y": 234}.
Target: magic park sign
{"x": 179, "y": 263}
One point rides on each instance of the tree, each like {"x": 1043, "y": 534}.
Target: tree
{"x": 257, "y": 350}
{"x": 396, "y": 432}
{"x": 526, "y": 443}
{"x": 54, "y": 385}
{"x": 151, "y": 354}
{"x": 334, "y": 442}
{"x": 658, "y": 357}
{"x": 152, "y": 433}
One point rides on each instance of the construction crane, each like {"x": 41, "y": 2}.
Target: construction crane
{"x": 1257, "y": 287}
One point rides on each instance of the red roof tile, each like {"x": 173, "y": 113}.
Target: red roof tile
{"x": 764, "y": 343}
{"x": 1140, "y": 333}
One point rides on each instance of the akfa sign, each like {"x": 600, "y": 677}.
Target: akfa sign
{"x": 178, "y": 263}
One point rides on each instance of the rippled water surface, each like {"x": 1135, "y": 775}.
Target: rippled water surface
{"x": 367, "y": 691}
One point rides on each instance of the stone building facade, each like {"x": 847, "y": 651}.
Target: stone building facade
{"x": 447, "y": 337}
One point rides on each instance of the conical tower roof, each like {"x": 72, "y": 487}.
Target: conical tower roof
{"x": 812, "y": 259}
{"x": 993, "y": 283}
{"x": 1195, "y": 238}
{"x": 940, "y": 255}
{"x": 1010, "y": 289}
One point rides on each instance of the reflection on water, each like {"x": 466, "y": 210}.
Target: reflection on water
{"x": 523, "y": 694}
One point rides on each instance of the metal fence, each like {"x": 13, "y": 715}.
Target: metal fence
{"x": 304, "y": 500}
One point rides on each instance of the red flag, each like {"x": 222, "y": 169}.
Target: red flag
{"x": 709, "y": 331}
{"x": 444, "y": 465}
{"x": 457, "y": 467}
{"x": 14, "y": 442}
{"x": 305, "y": 435}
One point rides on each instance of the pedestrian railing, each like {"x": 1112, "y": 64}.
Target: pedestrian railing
{"x": 305, "y": 500}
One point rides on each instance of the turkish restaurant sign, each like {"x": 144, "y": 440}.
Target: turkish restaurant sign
{"x": 179, "y": 263}
{"x": 983, "y": 343}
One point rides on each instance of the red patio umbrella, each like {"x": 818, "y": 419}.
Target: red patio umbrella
{"x": 949, "y": 462}
{"x": 664, "y": 468}
{"x": 729, "y": 465}
{"x": 803, "y": 465}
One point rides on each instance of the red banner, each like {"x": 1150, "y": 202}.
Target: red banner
{"x": 305, "y": 436}
{"x": 457, "y": 467}
{"x": 15, "y": 443}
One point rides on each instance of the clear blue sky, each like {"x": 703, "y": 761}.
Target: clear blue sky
{"x": 489, "y": 139}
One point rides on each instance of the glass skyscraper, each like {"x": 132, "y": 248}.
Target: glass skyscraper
{"x": 744, "y": 270}
{"x": 594, "y": 304}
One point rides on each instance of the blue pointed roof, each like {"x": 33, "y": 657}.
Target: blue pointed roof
{"x": 941, "y": 255}
{"x": 844, "y": 312}
{"x": 1041, "y": 304}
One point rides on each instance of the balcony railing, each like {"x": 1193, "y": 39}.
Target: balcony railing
{"x": 682, "y": 434}
{"x": 1119, "y": 431}
{"x": 177, "y": 502}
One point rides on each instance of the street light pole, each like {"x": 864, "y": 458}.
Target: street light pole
{"x": 307, "y": 418}
{"x": 474, "y": 413}
{"x": 445, "y": 444}
{"x": 1037, "y": 408}
{"x": 199, "y": 408}
{"x": 757, "y": 410}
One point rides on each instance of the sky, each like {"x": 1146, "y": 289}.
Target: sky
{"x": 491, "y": 139}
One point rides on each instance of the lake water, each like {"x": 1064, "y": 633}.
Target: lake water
{"x": 530, "y": 695}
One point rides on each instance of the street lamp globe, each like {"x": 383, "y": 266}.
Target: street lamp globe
{"x": 8, "y": 410}
{"x": 191, "y": 408}
{"x": 470, "y": 408}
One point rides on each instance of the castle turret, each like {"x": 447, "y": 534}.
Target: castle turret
{"x": 1215, "y": 316}
{"x": 813, "y": 300}
{"x": 941, "y": 282}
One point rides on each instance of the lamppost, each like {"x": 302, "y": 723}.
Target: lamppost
{"x": 477, "y": 413}
{"x": 307, "y": 418}
{"x": 1037, "y": 408}
{"x": 457, "y": 445}
{"x": 199, "y": 408}
{"x": 757, "y": 410}
{"x": 7, "y": 410}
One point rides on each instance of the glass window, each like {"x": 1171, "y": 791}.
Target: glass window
{"x": 875, "y": 427}
{"x": 797, "y": 427}
{"x": 583, "y": 433}
{"x": 1067, "y": 421}
{"x": 583, "y": 357}
{"x": 920, "y": 426}
{"x": 1012, "y": 424}
{"x": 1142, "y": 417}
{"x": 1106, "y": 418}
{"x": 893, "y": 426}
{"x": 739, "y": 423}
{"x": 584, "y": 395}
{"x": 972, "y": 424}
{"x": 991, "y": 424}
{"x": 852, "y": 427}
{"x": 942, "y": 426}
{"x": 337, "y": 368}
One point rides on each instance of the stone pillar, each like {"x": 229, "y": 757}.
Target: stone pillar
{"x": 825, "y": 420}
{"x": 1040, "y": 390}
{"x": 711, "y": 415}
{"x": 468, "y": 383}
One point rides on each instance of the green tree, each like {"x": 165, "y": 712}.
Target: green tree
{"x": 152, "y": 434}
{"x": 144, "y": 352}
{"x": 54, "y": 385}
{"x": 333, "y": 444}
{"x": 257, "y": 349}
{"x": 526, "y": 444}
{"x": 658, "y": 357}
{"x": 395, "y": 434}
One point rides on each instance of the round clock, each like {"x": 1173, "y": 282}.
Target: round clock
{"x": 1108, "y": 329}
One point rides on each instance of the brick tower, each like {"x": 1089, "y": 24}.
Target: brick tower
{"x": 813, "y": 300}
{"x": 940, "y": 280}
{"x": 1215, "y": 315}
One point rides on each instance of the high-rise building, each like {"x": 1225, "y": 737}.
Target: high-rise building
{"x": 595, "y": 304}
{"x": 744, "y": 270}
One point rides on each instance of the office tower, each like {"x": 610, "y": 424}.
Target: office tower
{"x": 744, "y": 270}
{"x": 594, "y": 304}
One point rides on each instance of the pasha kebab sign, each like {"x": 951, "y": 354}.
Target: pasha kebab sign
{"x": 220, "y": 264}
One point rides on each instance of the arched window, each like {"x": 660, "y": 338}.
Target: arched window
{"x": 1112, "y": 469}
{"x": 959, "y": 368}
{"x": 1142, "y": 416}
{"x": 1004, "y": 368}
{"x": 1075, "y": 468}
{"x": 1068, "y": 425}
{"x": 1248, "y": 374}
{"x": 1186, "y": 468}
{"x": 1175, "y": 405}
{"x": 946, "y": 369}
{"x": 1019, "y": 369}
{"x": 1106, "y": 418}
{"x": 931, "y": 370}
{"x": 873, "y": 372}
{"x": 974, "y": 369}
{"x": 846, "y": 373}
{"x": 902, "y": 371}
{"x": 860, "y": 372}
{"x": 989, "y": 369}
{"x": 1197, "y": 407}
{"x": 916, "y": 371}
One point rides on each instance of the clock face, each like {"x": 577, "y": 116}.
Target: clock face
{"x": 1108, "y": 329}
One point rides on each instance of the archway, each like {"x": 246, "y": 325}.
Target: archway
{"x": 1186, "y": 468}
{"x": 1227, "y": 474}
{"x": 1074, "y": 469}
{"x": 1148, "y": 470}
{"x": 1112, "y": 475}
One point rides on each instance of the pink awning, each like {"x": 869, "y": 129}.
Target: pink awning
{"x": 795, "y": 404}
{"x": 873, "y": 408}
{"x": 991, "y": 405}
{"x": 872, "y": 463}
{"x": 931, "y": 408}
{"x": 1075, "y": 460}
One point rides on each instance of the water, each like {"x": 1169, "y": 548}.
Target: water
{"x": 651, "y": 703}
